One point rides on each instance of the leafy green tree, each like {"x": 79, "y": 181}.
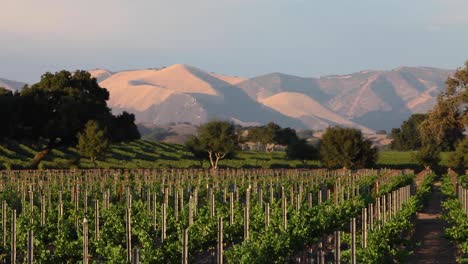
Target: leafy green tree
{"x": 194, "y": 146}
{"x": 5, "y": 92}
{"x": 123, "y": 128}
{"x": 346, "y": 147}
{"x": 301, "y": 150}
{"x": 408, "y": 137}
{"x": 459, "y": 159}
{"x": 92, "y": 142}
{"x": 428, "y": 156}
{"x": 272, "y": 135}
{"x": 447, "y": 121}
{"x": 218, "y": 139}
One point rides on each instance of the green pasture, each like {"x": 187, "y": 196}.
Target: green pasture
{"x": 148, "y": 154}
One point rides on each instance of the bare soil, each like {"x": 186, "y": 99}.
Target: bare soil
{"x": 432, "y": 246}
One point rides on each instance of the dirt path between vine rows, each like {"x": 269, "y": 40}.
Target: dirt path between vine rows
{"x": 432, "y": 247}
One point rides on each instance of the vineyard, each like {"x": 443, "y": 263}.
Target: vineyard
{"x": 197, "y": 216}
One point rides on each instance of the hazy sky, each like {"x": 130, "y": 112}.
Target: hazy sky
{"x": 237, "y": 37}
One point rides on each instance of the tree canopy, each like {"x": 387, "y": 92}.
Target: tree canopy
{"x": 271, "y": 135}
{"x": 301, "y": 150}
{"x": 218, "y": 139}
{"x": 446, "y": 122}
{"x": 408, "y": 136}
{"x": 346, "y": 147}
{"x": 56, "y": 108}
{"x": 92, "y": 142}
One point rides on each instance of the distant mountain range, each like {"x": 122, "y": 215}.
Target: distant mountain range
{"x": 11, "y": 85}
{"x": 368, "y": 100}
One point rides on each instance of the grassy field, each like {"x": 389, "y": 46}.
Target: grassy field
{"x": 148, "y": 154}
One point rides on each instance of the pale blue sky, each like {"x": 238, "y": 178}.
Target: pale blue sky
{"x": 237, "y": 37}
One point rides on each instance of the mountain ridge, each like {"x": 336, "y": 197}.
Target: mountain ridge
{"x": 369, "y": 100}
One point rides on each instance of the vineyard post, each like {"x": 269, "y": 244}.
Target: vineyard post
{"x": 260, "y": 198}
{"x": 378, "y": 210}
{"x": 148, "y": 202}
{"x": 212, "y": 202}
{"x": 30, "y": 254}
{"x": 181, "y": 199}
{"x": 13, "y": 236}
{"x": 163, "y": 223}
{"x": 284, "y": 207}
{"x": 60, "y": 209}
{"x": 267, "y": 215}
{"x": 108, "y": 196}
{"x": 136, "y": 256}
{"x": 272, "y": 197}
{"x": 246, "y": 223}
{"x": 231, "y": 208}
{"x": 371, "y": 216}
{"x": 320, "y": 196}
{"x": 86, "y": 199}
{"x": 185, "y": 246}
{"x": 220, "y": 241}
{"x": 319, "y": 253}
{"x": 176, "y": 205}
{"x": 43, "y": 210}
{"x": 31, "y": 205}
{"x": 291, "y": 195}
{"x": 155, "y": 211}
{"x": 195, "y": 201}
{"x": 364, "y": 227}
{"x": 85, "y": 241}
{"x": 128, "y": 229}
{"x": 384, "y": 208}
{"x": 353, "y": 240}
{"x": 309, "y": 198}
{"x": 4, "y": 222}
{"x": 190, "y": 211}
{"x": 337, "y": 247}
{"x": 96, "y": 220}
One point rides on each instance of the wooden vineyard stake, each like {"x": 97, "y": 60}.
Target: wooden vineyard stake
{"x": 309, "y": 199}
{"x": 219, "y": 253}
{"x": 320, "y": 196}
{"x": 85, "y": 241}
{"x": 284, "y": 208}
{"x": 371, "y": 216}
{"x": 353, "y": 240}
{"x": 231, "y": 208}
{"x": 4, "y": 222}
{"x": 190, "y": 211}
{"x": 135, "y": 256}
{"x": 185, "y": 246}
{"x": 364, "y": 227}
{"x": 246, "y": 223}
{"x": 337, "y": 247}
{"x": 96, "y": 220}
{"x": 163, "y": 222}
{"x": 128, "y": 234}
{"x": 155, "y": 211}
{"x": 260, "y": 198}
{"x": 13, "y": 236}
{"x": 212, "y": 203}
{"x": 267, "y": 215}
{"x": 60, "y": 208}
{"x": 30, "y": 252}
{"x": 148, "y": 202}
{"x": 176, "y": 206}
{"x": 43, "y": 210}
{"x": 272, "y": 197}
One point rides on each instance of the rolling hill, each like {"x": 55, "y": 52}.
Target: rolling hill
{"x": 369, "y": 100}
{"x": 11, "y": 85}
